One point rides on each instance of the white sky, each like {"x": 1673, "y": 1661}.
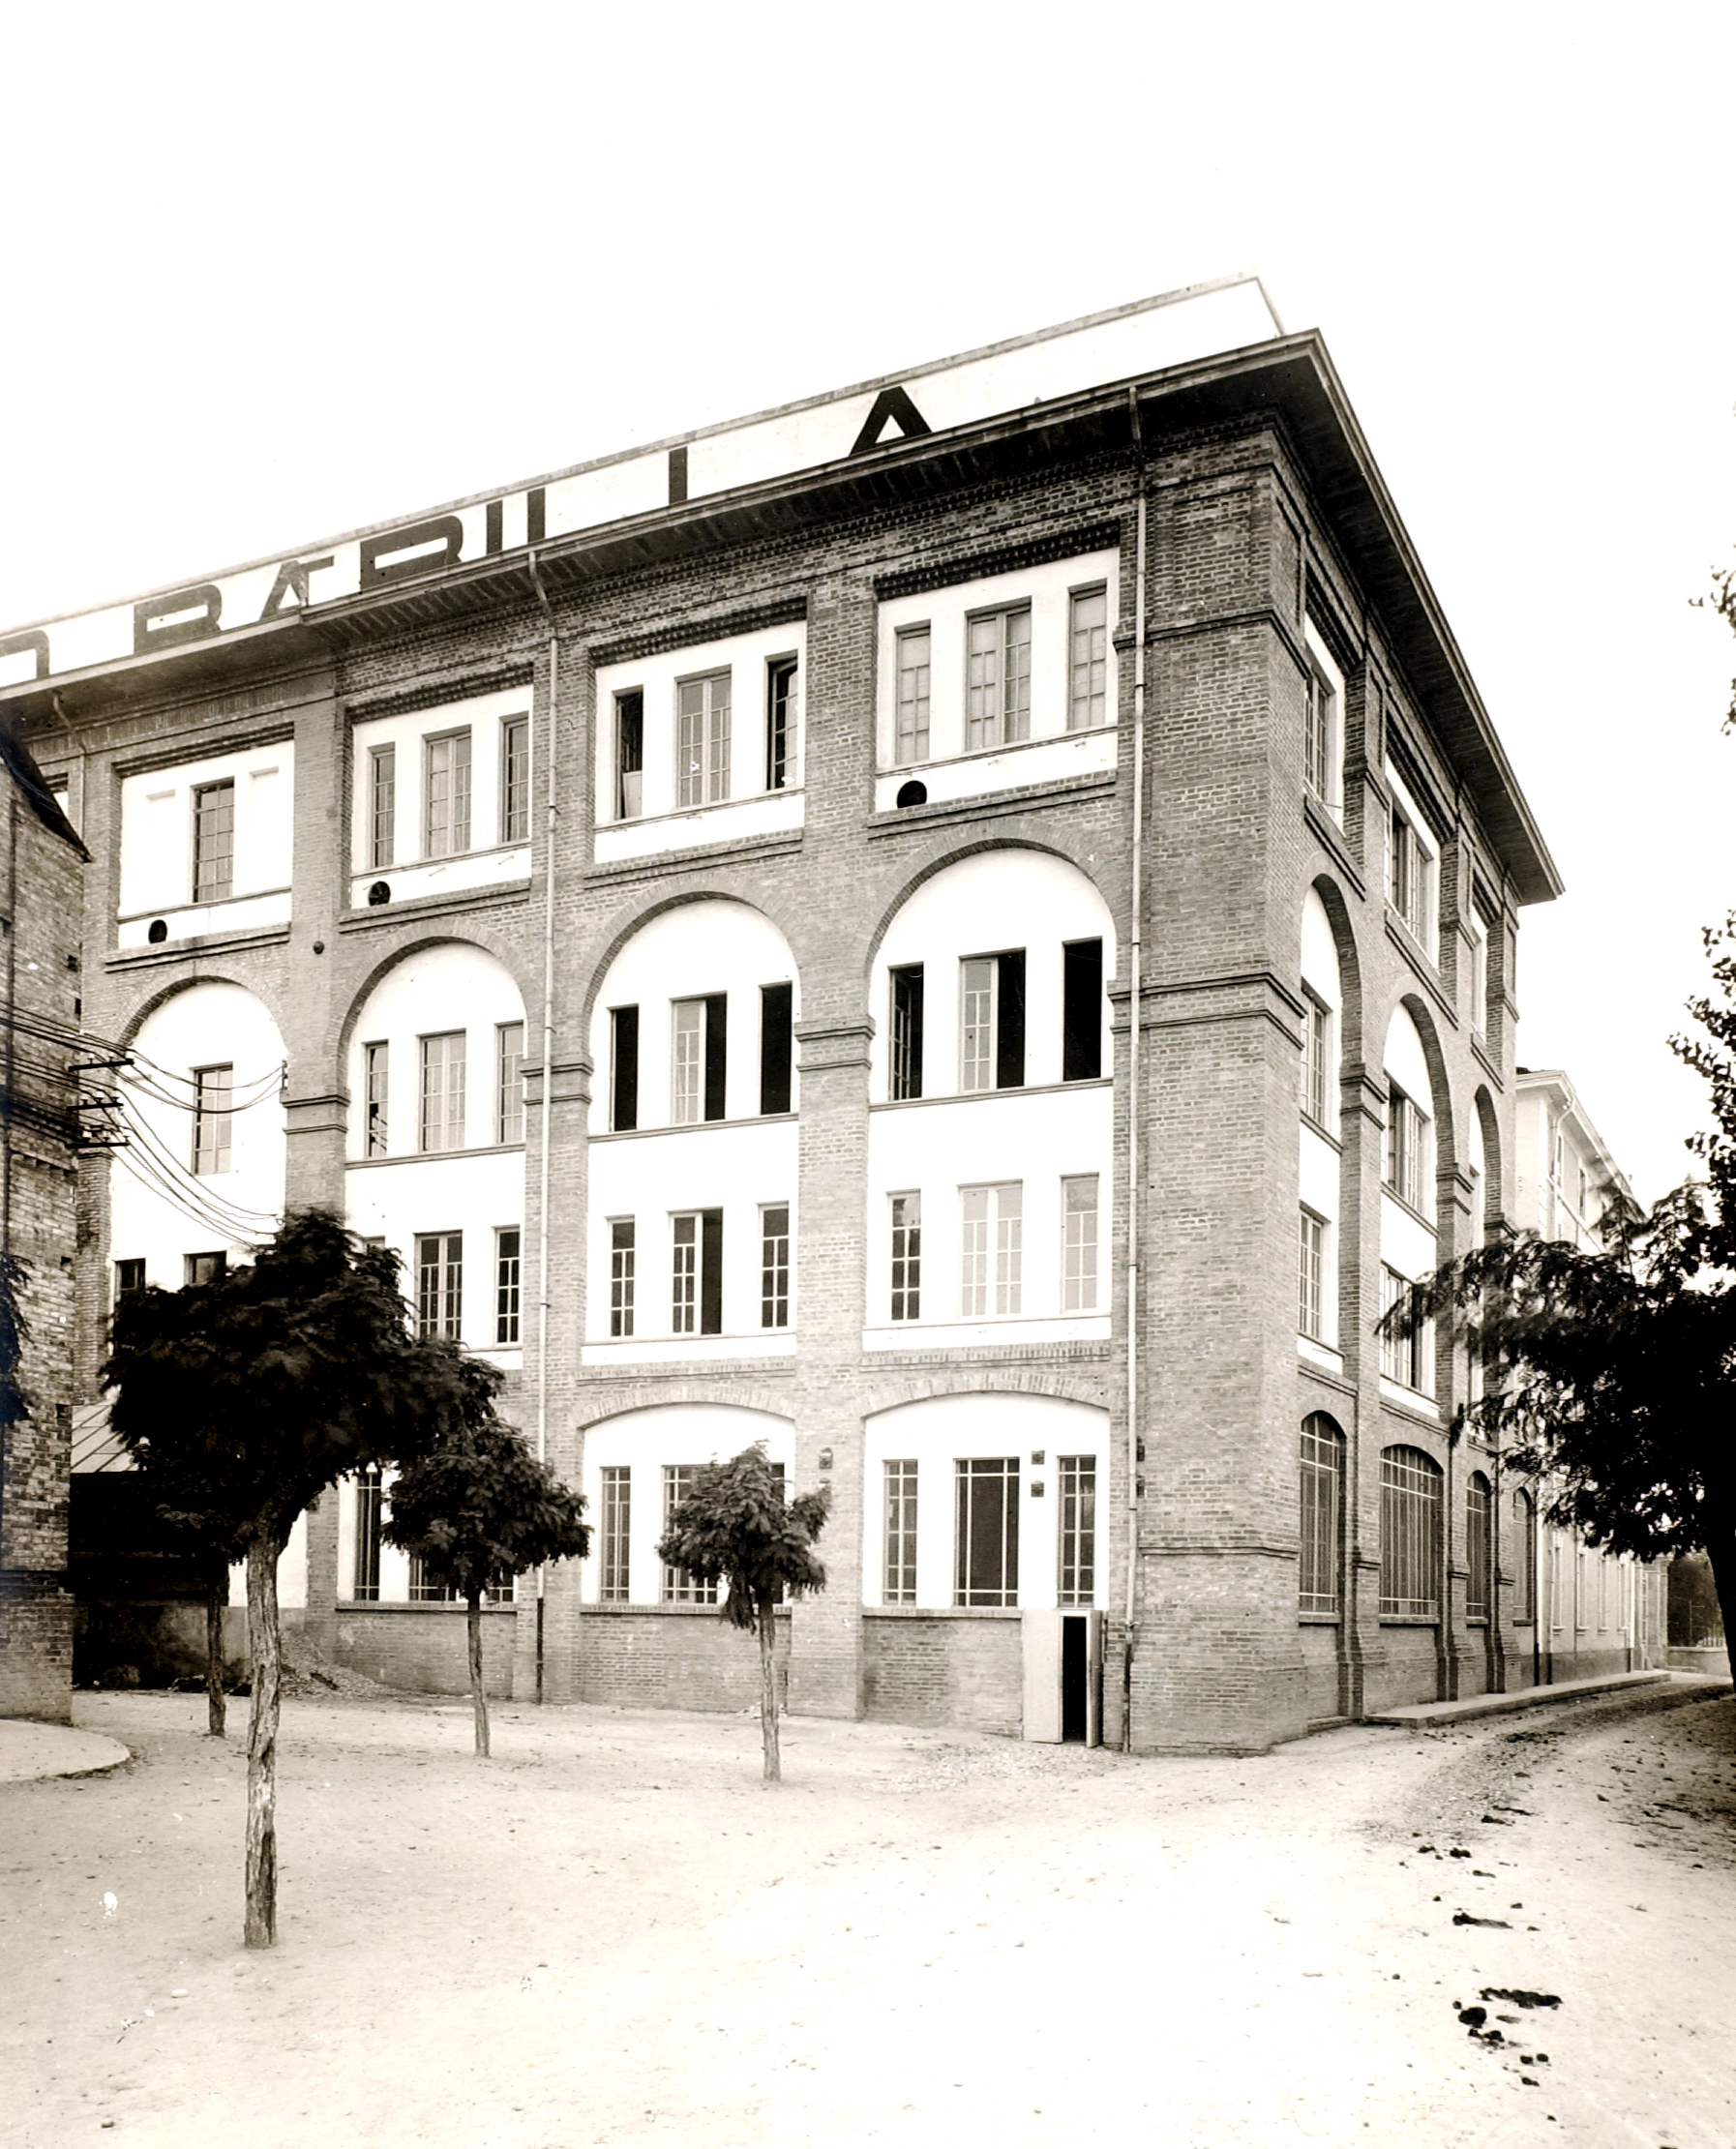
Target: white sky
{"x": 274, "y": 272}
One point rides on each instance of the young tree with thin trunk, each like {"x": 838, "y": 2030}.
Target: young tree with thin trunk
{"x": 250, "y": 1396}
{"x": 735, "y": 1527}
{"x": 479, "y": 1508}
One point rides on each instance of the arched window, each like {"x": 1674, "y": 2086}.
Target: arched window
{"x": 1480, "y": 1532}
{"x": 1524, "y": 1559}
{"x": 1410, "y": 1534}
{"x": 1321, "y": 1465}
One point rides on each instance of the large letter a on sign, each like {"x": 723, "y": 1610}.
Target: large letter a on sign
{"x": 892, "y": 405}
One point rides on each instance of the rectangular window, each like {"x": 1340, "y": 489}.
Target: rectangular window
{"x": 703, "y": 740}
{"x": 629, "y": 753}
{"x": 204, "y": 1269}
{"x": 699, "y": 1041}
{"x": 1311, "y": 1317}
{"x": 899, "y": 1583}
{"x": 509, "y": 1081}
{"x": 1317, "y": 1055}
{"x": 906, "y": 1031}
{"x": 1480, "y": 1547}
{"x": 1402, "y": 1357}
{"x": 1076, "y": 1572}
{"x": 780, "y": 723}
{"x": 1321, "y": 1462}
{"x": 1480, "y": 977}
{"x": 992, "y": 1237}
{"x": 998, "y": 678}
{"x": 446, "y": 813}
{"x": 623, "y": 1263}
{"x": 424, "y": 1589}
{"x": 214, "y": 841}
{"x": 128, "y": 1275}
{"x": 1409, "y": 879}
{"x": 1080, "y": 1011}
{"x": 623, "y": 1069}
{"x": 507, "y": 1243}
{"x": 1078, "y": 1244}
{"x": 382, "y": 805}
{"x": 1088, "y": 700}
{"x": 1320, "y": 729}
{"x": 515, "y": 779}
{"x": 615, "y": 1534}
{"x": 679, "y": 1585}
{"x": 1410, "y": 1534}
{"x": 439, "y": 1282}
{"x": 774, "y": 1265}
{"x": 442, "y": 1114}
{"x": 375, "y": 1070}
{"x": 777, "y": 1046}
{"x": 1524, "y": 1555}
{"x": 365, "y": 1575}
{"x": 911, "y": 737}
{"x": 986, "y": 1570}
{"x": 1405, "y": 1155}
{"x": 907, "y": 1256}
{"x": 992, "y": 1021}
{"x": 211, "y": 1089}
{"x": 695, "y": 1292}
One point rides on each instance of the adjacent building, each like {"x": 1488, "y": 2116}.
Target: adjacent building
{"x": 963, "y": 929}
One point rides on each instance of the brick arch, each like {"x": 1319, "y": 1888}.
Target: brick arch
{"x": 624, "y": 933}
{"x": 1495, "y": 1193}
{"x": 948, "y": 850}
{"x": 176, "y": 987}
{"x": 1440, "y": 1087}
{"x": 646, "y": 1395}
{"x": 484, "y": 942}
{"x": 1057, "y": 1388}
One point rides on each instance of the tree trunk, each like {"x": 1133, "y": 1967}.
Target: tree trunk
{"x": 768, "y": 1697}
{"x": 264, "y": 1646}
{"x": 217, "y": 1595}
{"x": 479, "y": 1701}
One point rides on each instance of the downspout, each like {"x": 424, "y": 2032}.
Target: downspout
{"x": 544, "y": 1304}
{"x": 1135, "y": 1075}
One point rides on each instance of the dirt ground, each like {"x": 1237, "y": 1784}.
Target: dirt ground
{"x": 613, "y": 1934}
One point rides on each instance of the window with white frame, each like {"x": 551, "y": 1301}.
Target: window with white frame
{"x": 213, "y": 1091}
{"x": 629, "y": 753}
{"x": 998, "y": 681}
{"x": 774, "y": 1265}
{"x": 1317, "y": 1058}
{"x": 1323, "y": 722}
{"x": 446, "y": 795}
{"x": 623, "y": 1265}
{"x": 615, "y": 1534}
{"x": 515, "y": 779}
{"x": 899, "y": 1571}
{"x": 364, "y": 1583}
{"x": 991, "y": 1243}
{"x": 699, "y": 1058}
{"x": 1412, "y": 873}
{"x": 1478, "y": 969}
{"x": 1078, "y": 1244}
{"x": 1405, "y": 1157}
{"x": 509, "y": 1081}
{"x": 1076, "y": 1499}
{"x": 1410, "y": 1534}
{"x": 991, "y": 1048}
{"x": 1310, "y": 1318}
{"x": 679, "y": 1585}
{"x": 986, "y": 1563}
{"x": 1087, "y": 622}
{"x": 907, "y": 1256}
{"x": 443, "y": 1100}
{"x": 439, "y": 1283}
{"x": 214, "y": 841}
{"x": 780, "y": 723}
{"x": 507, "y": 1261}
{"x": 377, "y": 1063}
{"x": 905, "y": 1031}
{"x": 382, "y": 805}
{"x": 695, "y": 1276}
{"x": 911, "y": 719}
{"x": 1403, "y": 1357}
{"x": 703, "y": 740}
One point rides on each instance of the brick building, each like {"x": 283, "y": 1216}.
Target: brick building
{"x": 964, "y": 929}
{"x": 40, "y": 996}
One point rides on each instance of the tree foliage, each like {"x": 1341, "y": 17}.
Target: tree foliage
{"x": 478, "y": 1509}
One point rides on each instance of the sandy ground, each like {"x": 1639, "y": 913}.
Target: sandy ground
{"x": 612, "y": 1934}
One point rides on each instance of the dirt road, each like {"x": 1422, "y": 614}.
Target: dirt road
{"x": 612, "y": 1934}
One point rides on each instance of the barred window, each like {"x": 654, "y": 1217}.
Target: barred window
{"x": 212, "y": 1090}
{"x": 911, "y": 737}
{"x": 1524, "y": 1558}
{"x": 1321, "y": 1463}
{"x": 987, "y": 1545}
{"x": 1480, "y": 1548}
{"x": 679, "y": 1585}
{"x": 507, "y": 1244}
{"x": 623, "y": 1260}
{"x": 1076, "y": 1572}
{"x": 774, "y": 1265}
{"x": 900, "y": 1582}
{"x": 998, "y": 678}
{"x": 615, "y": 1534}
{"x": 214, "y": 841}
{"x": 1088, "y": 700}
{"x": 1410, "y": 1533}
{"x": 365, "y": 1575}
{"x": 907, "y": 1256}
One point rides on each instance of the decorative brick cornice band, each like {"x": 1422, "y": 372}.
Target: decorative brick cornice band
{"x": 686, "y": 634}
{"x": 434, "y": 692}
{"x": 907, "y": 582}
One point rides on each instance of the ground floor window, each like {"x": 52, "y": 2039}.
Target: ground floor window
{"x": 900, "y": 1584}
{"x": 1410, "y": 1533}
{"x": 987, "y": 1558}
{"x": 1524, "y": 1558}
{"x": 679, "y": 1585}
{"x": 364, "y": 1579}
{"x": 614, "y": 1520}
{"x": 1480, "y": 1532}
{"x": 1076, "y": 1568}
{"x": 1321, "y": 1465}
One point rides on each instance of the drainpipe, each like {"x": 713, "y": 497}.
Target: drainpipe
{"x": 551, "y": 821}
{"x": 1135, "y": 1076}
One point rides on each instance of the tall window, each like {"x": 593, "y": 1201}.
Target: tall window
{"x": 992, "y": 1249}
{"x": 986, "y": 1565}
{"x": 623, "y": 1262}
{"x": 1078, "y": 1244}
{"x": 446, "y": 804}
{"x": 1311, "y": 1315}
{"x": 212, "y": 1092}
{"x": 1406, "y": 1154}
{"x": 1321, "y": 1462}
{"x": 998, "y": 678}
{"x": 1524, "y": 1559}
{"x": 780, "y": 723}
{"x": 1317, "y": 1058}
{"x": 507, "y": 1243}
{"x": 697, "y": 1058}
{"x": 1403, "y": 1359}
{"x": 364, "y": 1579}
{"x": 623, "y": 1068}
{"x": 214, "y": 841}
{"x": 515, "y": 780}
{"x": 1080, "y": 1011}
{"x": 679, "y": 1585}
{"x": 774, "y": 1265}
{"x": 614, "y": 1533}
{"x": 1076, "y": 1572}
{"x": 906, "y": 1032}
{"x": 703, "y": 740}
{"x": 1410, "y": 1534}
{"x": 910, "y": 742}
{"x": 509, "y": 1081}
{"x": 375, "y": 1070}
{"x": 1087, "y": 697}
{"x": 1410, "y": 879}
{"x": 907, "y": 1256}
{"x": 1320, "y": 734}
{"x": 629, "y": 753}
{"x": 1479, "y": 1546}
{"x": 439, "y": 1282}
{"x": 777, "y": 1046}
{"x": 442, "y": 1117}
{"x": 991, "y": 1053}
{"x": 382, "y": 805}
{"x": 899, "y": 1586}
{"x": 695, "y": 1282}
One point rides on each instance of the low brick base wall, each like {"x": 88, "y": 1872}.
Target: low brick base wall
{"x": 1410, "y": 1673}
{"x": 36, "y": 1646}
{"x": 671, "y": 1656}
{"x": 964, "y": 1671}
{"x": 422, "y": 1647}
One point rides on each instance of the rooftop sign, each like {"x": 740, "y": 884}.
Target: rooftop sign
{"x": 1128, "y": 341}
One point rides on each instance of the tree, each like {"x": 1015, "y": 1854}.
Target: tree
{"x": 249, "y": 1398}
{"x": 735, "y": 1527}
{"x": 478, "y": 1509}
